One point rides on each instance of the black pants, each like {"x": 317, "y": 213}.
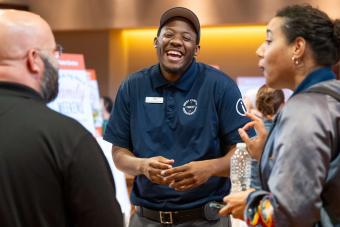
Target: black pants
{"x": 138, "y": 221}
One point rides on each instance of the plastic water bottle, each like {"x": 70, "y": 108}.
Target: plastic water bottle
{"x": 240, "y": 169}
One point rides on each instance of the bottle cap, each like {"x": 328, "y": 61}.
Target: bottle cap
{"x": 241, "y": 146}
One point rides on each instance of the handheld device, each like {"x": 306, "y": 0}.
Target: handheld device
{"x": 216, "y": 205}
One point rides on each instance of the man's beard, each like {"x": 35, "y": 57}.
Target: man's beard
{"x": 49, "y": 83}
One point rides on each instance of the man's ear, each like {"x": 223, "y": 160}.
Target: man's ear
{"x": 155, "y": 42}
{"x": 34, "y": 62}
{"x": 197, "y": 50}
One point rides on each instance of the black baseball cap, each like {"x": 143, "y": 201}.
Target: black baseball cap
{"x": 184, "y": 13}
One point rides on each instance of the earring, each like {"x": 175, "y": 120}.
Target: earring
{"x": 295, "y": 60}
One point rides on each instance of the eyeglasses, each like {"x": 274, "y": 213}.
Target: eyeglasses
{"x": 58, "y": 50}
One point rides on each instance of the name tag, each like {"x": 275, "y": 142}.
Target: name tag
{"x": 154, "y": 100}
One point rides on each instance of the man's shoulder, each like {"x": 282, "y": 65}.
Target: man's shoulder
{"x": 54, "y": 120}
{"x": 213, "y": 74}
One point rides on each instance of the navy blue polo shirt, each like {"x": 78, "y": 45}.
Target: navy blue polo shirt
{"x": 194, "y": 118}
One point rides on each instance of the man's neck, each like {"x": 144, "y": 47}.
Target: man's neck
{"x": 8, "y": 73}
{"x": 170, "y": 76}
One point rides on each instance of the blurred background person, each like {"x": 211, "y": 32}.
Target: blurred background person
{"x": 107, "y": 105}
{"x": 268, "y": 102}
{"x": 300, "y": 163}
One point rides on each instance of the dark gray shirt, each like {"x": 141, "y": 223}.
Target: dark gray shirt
{"x": 52, "y": 171}
{"x": 300, "y": 166}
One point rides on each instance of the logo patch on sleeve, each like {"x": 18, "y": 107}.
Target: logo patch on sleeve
{"x": 241, "y": 108}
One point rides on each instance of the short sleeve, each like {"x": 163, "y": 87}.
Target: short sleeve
{"x": 232, "y": 113}
{"x": 118, "y": 127}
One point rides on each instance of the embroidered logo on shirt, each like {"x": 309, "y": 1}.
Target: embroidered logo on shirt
{"x": 190, "y": 106}
{"x": 241, "y": 108}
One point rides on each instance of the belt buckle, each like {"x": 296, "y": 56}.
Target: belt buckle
{"x": 166, "y": 217}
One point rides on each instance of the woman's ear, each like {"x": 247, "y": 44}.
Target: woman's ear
{"x": 299, "y": 48}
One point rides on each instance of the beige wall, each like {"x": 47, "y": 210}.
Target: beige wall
{"x": 116, "y": 53}
{"x": 19, "y": 2}
{"x": 117, "y": 14}
{"x": 118, "y": 62}
{"x": 14, "y": 4}
{"x": 102, "y": 31}
{"x": 232, "y": 48}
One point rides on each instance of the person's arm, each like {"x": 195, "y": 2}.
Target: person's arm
{"x": 300, "y": 160}
{"x": 237, "y": 201}
{"x": 89, "y": 187}
{"x": 195, "y": 173}
{"x": 127, "y": 162}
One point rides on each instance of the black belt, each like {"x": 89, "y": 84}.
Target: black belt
{"x": 172, "y": 217}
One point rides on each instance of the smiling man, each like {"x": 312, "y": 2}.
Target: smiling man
{"x": 174, "y": 126}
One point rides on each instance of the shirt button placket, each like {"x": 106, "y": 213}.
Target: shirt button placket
{"x": 171, "y": 109}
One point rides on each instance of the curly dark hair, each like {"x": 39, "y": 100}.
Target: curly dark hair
{"x": 269, "y": 100}
{"x": 320, "y": 32}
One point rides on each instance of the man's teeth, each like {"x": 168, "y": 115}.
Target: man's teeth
{"x": 176, "y": 53}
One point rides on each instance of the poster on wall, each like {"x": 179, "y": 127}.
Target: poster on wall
{"x": 95, "y": 101}
{"x": 73, "y": 99}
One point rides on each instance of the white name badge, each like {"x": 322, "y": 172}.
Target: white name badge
{"x": 154, "y": 100}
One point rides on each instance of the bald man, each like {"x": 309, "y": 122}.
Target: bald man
{"x": 52, "y": 171}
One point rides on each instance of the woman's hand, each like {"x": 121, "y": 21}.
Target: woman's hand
{"x": 235, "y": 204}
{"x": 254, "y": 145}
